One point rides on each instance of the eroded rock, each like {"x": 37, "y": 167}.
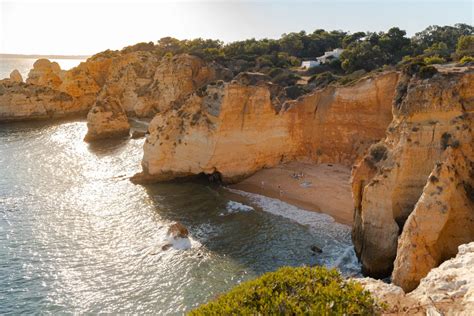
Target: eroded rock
{"x": 106, "y": 119}
{"x": 429, "y": 116}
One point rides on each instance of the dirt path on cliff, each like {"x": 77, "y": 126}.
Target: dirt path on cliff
{"x": 321, "y": 188}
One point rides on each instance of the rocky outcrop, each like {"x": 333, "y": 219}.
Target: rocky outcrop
{"x": 446, "y": 290}
{"x": 15, "y": 76}
{"x": 234, "y": 129}
{"x": 442, "y": 218}
{"x": 393, "y": 180}
{"x": 227, "y": 128}
{"x": 45, "y": 73}
{"x": 106, "y": 119}
{"x": 20, "y": 101}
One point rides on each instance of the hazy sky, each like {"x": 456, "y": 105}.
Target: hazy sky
{"x": 73, "y": 27}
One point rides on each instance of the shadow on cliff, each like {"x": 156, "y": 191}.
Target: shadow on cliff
{"x": 221, "y": 222}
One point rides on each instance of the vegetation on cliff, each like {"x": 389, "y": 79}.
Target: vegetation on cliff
{"x": 279, "y": 58}
{"x": 294, "y": 291}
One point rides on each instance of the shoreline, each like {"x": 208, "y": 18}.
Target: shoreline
{"x": 323, "y": 188}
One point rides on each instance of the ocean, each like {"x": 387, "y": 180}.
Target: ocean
{"x": 24, "y": 65}
{"x": 76, "y": 236}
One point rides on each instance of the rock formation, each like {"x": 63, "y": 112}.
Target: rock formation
{"x": 446, "y": 290}
{"x": 234, "y": 129}
{"x": 15, "y": 76}
{"x": 45, "y": 73}
{"x": 106, "y": 119}
{"x": 394, "y": 179}
{"x": 20, "y": 101}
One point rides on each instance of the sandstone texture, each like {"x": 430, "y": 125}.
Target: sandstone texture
{"x": 417, "y": 182}
{"x": 235, "y": 129}
{"x": 20, "y": 101}
{"x": 15, "y": 76}
{"x": 106, "y": 119}
{"x": 45, "y": 73}
{"x": 446, "y": 290}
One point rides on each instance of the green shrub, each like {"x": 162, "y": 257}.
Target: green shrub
{"x": 426, "y": 72}
{"x": 466, "y": 59}
{"x": 285, "y": 79}
{"x": 323, "y": 79}
{"x": 294, "y": 291}
{"x": 434, "y": 60}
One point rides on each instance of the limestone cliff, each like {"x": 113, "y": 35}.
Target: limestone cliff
{"x": 234, "y": 129}
{"x": 446, "y": 290}
{"x": 393, "y": 180}
{"x": 45, "y": 73}
{"x": 20, "y": 101}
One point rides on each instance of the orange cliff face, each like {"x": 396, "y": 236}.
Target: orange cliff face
{"x": 141, "y": 81}
{"x": 414, "y": 189}
{"x": 234, "y": 129}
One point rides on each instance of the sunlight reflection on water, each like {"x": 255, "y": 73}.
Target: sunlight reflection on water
{"x": 77, "y": 236}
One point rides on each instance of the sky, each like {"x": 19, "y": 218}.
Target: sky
{"x": 86, "y": 27}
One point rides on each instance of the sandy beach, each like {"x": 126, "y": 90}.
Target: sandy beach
{"x": 321, "y": 188}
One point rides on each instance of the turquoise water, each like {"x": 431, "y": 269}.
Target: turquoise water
{"x": 77, "y": 236}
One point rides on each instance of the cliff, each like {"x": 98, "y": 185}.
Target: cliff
{"x": 20, "y": 101}
{"x": 417, "y": 182}
{"x": 445, "y": 290}
{"x": 234, "y": 129}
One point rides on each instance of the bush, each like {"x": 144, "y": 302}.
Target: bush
{"x": 323, "y": 79}
{"x": 466, "y": 59}
{"x": 294, "y": 291}
{"x": 426, "y": 72}
{"x": 434, "y": 60}
{"x": 294, "y": 92}
{"x": 285, "y": 79}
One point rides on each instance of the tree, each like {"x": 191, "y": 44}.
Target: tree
{"x": 465, "y": 46}
{"x": 362, "y": 55}
{"x": 437, "y": 49}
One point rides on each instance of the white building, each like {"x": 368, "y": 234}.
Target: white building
{"x": 328, "y": 56}
{"x": 309, "y": 64}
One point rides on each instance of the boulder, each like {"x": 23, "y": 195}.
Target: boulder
{"x": 15, "y": 76}
{"x": 177, "y": 230}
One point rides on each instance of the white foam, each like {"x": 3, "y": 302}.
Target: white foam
{"x": 338, "y": 251}
{"x": 233, "y": 207}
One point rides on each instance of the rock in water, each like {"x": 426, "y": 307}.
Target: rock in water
{"x": 177, "y": 230}
{"x": 106, "y": 119}
{"x": 15, "y": 76}
{"x": 138, "y": 134}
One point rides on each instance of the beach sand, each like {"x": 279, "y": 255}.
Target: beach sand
{"x": 323, "y": 188}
